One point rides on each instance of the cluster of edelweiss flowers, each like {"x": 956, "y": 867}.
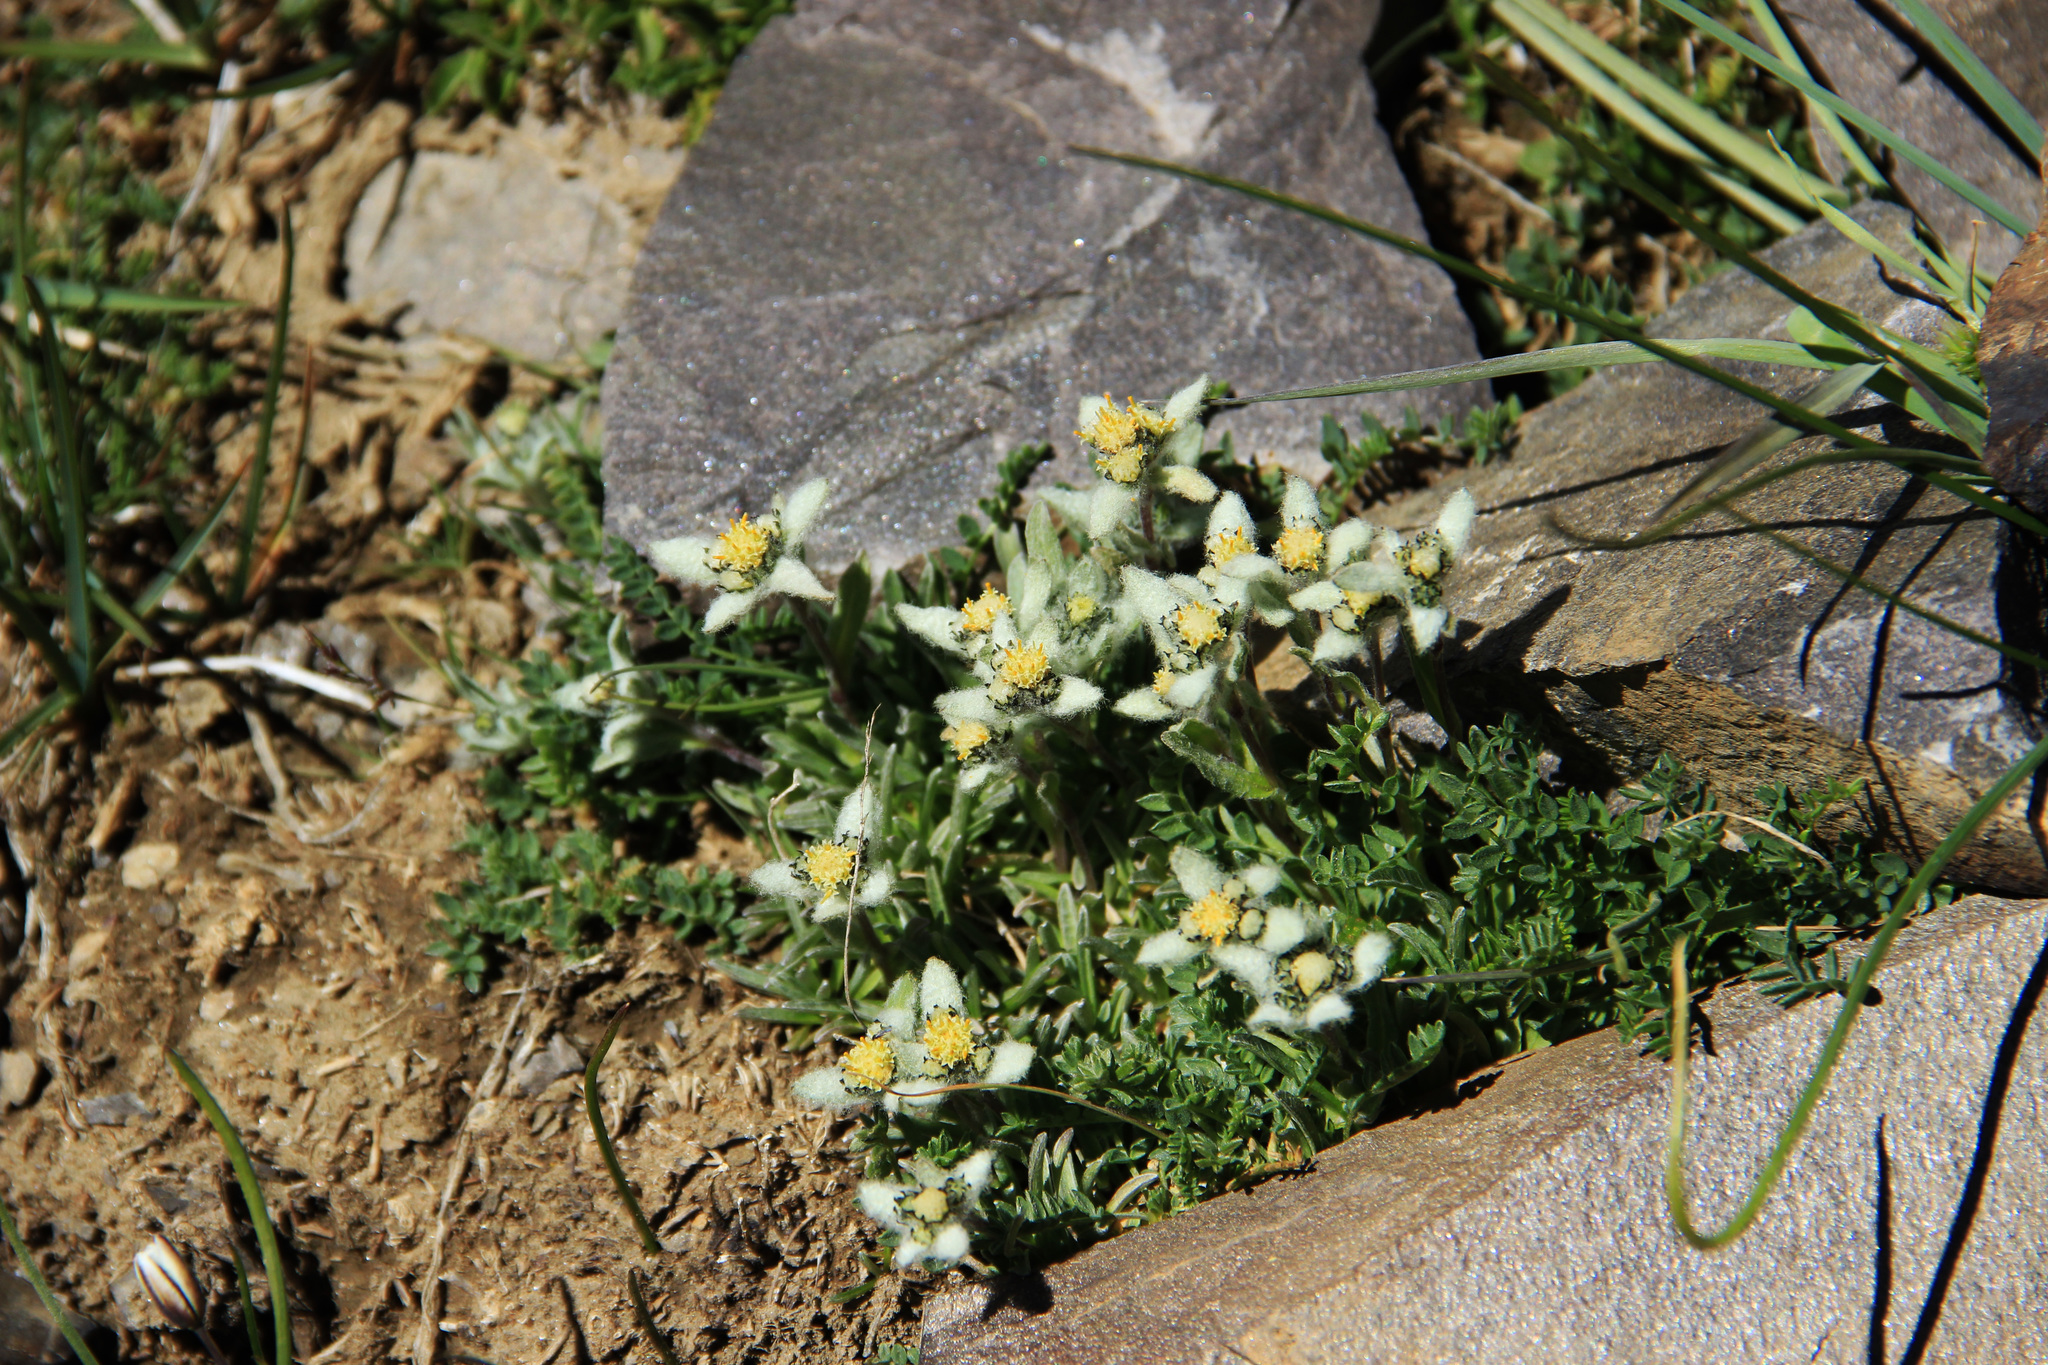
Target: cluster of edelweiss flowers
{"x": 1062, "y": 615}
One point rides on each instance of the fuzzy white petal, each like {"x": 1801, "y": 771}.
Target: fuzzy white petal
{"x": 1109, "y": 508}
{"x": 940, "y": 989}
{"x": 1426, "y": 624}
{"x": 920, "y": 1092}
{"x": 1349, "y": 538}
{"x": 875, "y": 887}
{"x": 909, "y": 1253}
{"x": 1369, "y": 958}
{"x": 1011, "y": 1063}
{"x": 1191, "y": 689}
{"x": 576, "y": 696}
{"x": 1186, "y": 403}
{"x": 1229, "y": 514}
{"x": 856, "y": 814}
{"x": 825, "y": 1088}
{"x": 801, "y": 511}
{"x": 1454, "y": 523}
{"x": 976, "y": 777}
{"x": 949, "y": 1246}
{"x": 1167, "y": 949}
{"x": 729, "y": 608}
{"x": 1334, "y": 644}
{"x": 1372, "y": 575}
{"x": 1091, "y": 408}
{"x": 937, "y": 626}
{"x": 969, "y": 703}
{"x": 792, "y": 576}
{"x": 877, "y": 1199}
{"x": 1273, "y": 1014}
{"x": 1195, "y": 870}
{"x": 1261, "y": 878}
{"x": 975, "y": 1169}
{"x": 1286, "y": 930}
{"x": 1328, "y": 1009}
{"x": 1076, "y": 697}
{"x": 1144, "y": 704}
{"x": 683, "y": 557}
{"x": 1246, "y": 567}
{"x": 1187, "y": 483}
{"x": 835, "y": 908}
{"x": 1247, "y": 964}
{"x": 1324, "y": 596}
{"x": 778, "y": 879}
{"x": 1298, "y": 506}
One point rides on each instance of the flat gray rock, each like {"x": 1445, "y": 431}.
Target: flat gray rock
{"x": 883, "y": 264}
{"x": 1528, "y": 1222}
{"x": 1873, "y": 68}
{"x": 1748, "y": 663}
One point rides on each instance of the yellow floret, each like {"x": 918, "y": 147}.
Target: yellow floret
{"x": 1162, "y": 682}
{"x": 1313, "y": 971}
{"x": 1363, "y": 603}
{"x": 1199, "y": 624}
{"x": 966, "y": 737}
{"x": 948, "y": 1039}
{"x": 745, "y": 545}
{"x": 928, "y": 1206}
{"x": 870, "y": 1062}
{"x": 1225, "y": 546}
{"x": 1123, "y": 438}
{"x": 1212, "y": 917}
{"x": 829, "y": 866}
{"x": 1122, "y": 467}
{"x": 977, "y": 616}
{"x": 1080, "y": 608}
{"x": 1023, "y": 666}
{"x": 1299, "y": 549}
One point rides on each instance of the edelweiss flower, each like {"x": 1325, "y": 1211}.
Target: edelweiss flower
{"x": 634, "y": 731}
{"x": 1141, "y": 446}
{"x": 921, "y": 1041}
{"x": 1364, "y": 586}
{"x": 1427, "y": 558}
{"x": 752, "y": 560}
{"x": 981, "y": 749}
{"x": 1307, "y": 986}
{"x": 1192, "y": 630}
{"x": 1233, "y": 568}
{"x": 1019, "y": 681}
{"x": 966, "y": 632}
{"x": 822, "y": 875}
{"x": 929, "y": 1212}
{"x": 1221, "y": 910}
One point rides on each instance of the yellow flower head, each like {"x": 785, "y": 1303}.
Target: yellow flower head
{"x": 1199, "y": 624}
{"x": 928, "y": 1206}
{"x": 966, "y": 737}
{"x": 1225, "y": 546}
{"x": 1124, "y": 438}
{"x": 1363, "y": 604}
{"x": 948, "y": 1039}
{"x": 1312, "y": 972}
{"x": 1081, "y": 608}
{"x": 1212, "y": 917}
{"x": 1425, "y": 558}
{"x": 1299, "y": 549}
{"x": 829, "y": 865}
{"x": 871, "y": 1062}
{"x": 745, "y": 546}
{"x": 977, "y": 616}
{"x": 1023, "y": 666}
{"x": 1162, "y": 681}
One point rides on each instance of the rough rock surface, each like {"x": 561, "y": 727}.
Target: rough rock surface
{"x": 522, "y": 237}
{"x": 1748, "y": 663}
{"x": 1873, "y": 68}
{"x": 885, "y": 266}
{"x": 1528, "y": 1222}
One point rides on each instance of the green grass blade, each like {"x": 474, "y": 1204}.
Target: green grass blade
{"x": 1831, "y": 1052}
{"x": 51, "y": 707}
{"x": 1785, "y": 407}
{"x": 177, "y": 56}
{"x": 258, "y": 472}
{"x": 73, "y": 492}
{"x": 188, "y": 551}
{"x": 1701, "y": 126}
{"x": 27, "y": 1266}
{"x": 75, "y": 296}
{"x": 242, "y": 1286}
{"x": 252, "y": 1195}
{"x": 648, "y": 1241}
{"x": 1818, "y": 93}
{"x": 21, "y": 610}
{"x": 2025, "y": 129}
{"x": 1654, "y": 129}
{"x": 1772, "y": 436}
{"x": 1860, "y": 164}
{"x": 1589, "y": 355}
{"x": 655, "y": 1336}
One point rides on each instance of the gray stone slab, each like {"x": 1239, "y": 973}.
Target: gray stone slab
{"x": 1873, "y": 68}
{"x": 884, "y": 265}
{"x": 1528, "y": 1222}
{"x": 1746, "y": 662}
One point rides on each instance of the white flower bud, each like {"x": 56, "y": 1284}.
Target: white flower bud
{"x": 168, "y": 1280}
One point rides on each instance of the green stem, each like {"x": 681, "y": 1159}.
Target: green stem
{"x": 1838, "y": 1038}
{"x": 252, "y": 1195}
{"x": 34, "y": 1276}
{"x": 648, "y": 1241}
{"x": 655, "y": 1336}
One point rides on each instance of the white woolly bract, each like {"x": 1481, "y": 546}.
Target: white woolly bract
{"x": 1454, "y": 523}
{"x": 936, "y": 626}
{"x": 683, "y": 557}
{"x": 919, "y": 1092}
{"x": 1166, "y": 949}
{"x": 630, "y": 736}
{"x": 1272, "y": 1013}
{"x": 949, "y": 1246}
{"x": 968, "y": 703}
{"x": 1109, "y": 507}
{"x": 832, "y": 908}
{"x": 1186, "y": 483}
{"x": 1334, "y": 644}
{"x": 825, "y": 1088}
{"x": 1076, "y": 697}
{"x": 1011, "y": 1063}
{"x": 1326, "y": 1009}
{"x": 1349, "y": 538}
{"x": 1149, "y": 593}
{"x": 1425, "y": 624}
{"x": 1261, "y": 878}
{"x": 1248, "y": 964}
{"x": 802, "y": 510}
{"x": 1195, "y": 870}
{"x": 575, "y": 696}
{"x": 1298, "y": 505}
{"x": 1372, "y": 575}
{"x": 778, "y": 879}
{"x": 875, "y": 887}
{"x": 1143, "y": 704}
{"x": 1191, "y": 689}
{"x": 1323, "y": 596}
{"x": 939, "y": 990}
{"x": 730, "y": 607}
{"x": 856, "y": 815}
{"x": 1247, "y": 567}
{"x": 1186, "y": 404}
{"x": 877, "y": 1199}
{"x": 1091, "y": 408}
{"x": 1286, "y": 930}
{"x": 974, "y": 1168}
{"x": 793, "y": 578}
{"x": 1369, "y": 958}
{"x": 1229, "y": 515}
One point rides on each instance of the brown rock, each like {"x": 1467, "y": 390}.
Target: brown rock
{"x": 1528, "y": 1223}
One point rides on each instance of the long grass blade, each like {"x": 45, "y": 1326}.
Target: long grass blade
{"x": 1820, "y": 94}
{"x": 1655, "y": 130}
{"x": 1859, "y": 162}
{"x": 75, "y": 296}
{"x": 252, "y": 1195}
{"x": 259, "y": 463}
{"x": 187, "y": 552}
{"x": 177, "y": 56}
{"x": 74, "y": 491}
{"x": 656, "y": 1338}
{"x": 1702, "y": 126}
{"x": 51, "y": 707}
{"x": 1767, "y": 439}
{"x": 25, "y": 1265}
{"x": 2022, "y": 125}
{"x": 1589, "y": 355}
{"x": 1853, "y": 997}
{"x": 248, "y": 1295}
{"x": 648, "y": 1241}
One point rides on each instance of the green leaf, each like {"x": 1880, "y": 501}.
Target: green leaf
{"x": 1188, "y": 737}
{"x": 2025, "y": 129}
